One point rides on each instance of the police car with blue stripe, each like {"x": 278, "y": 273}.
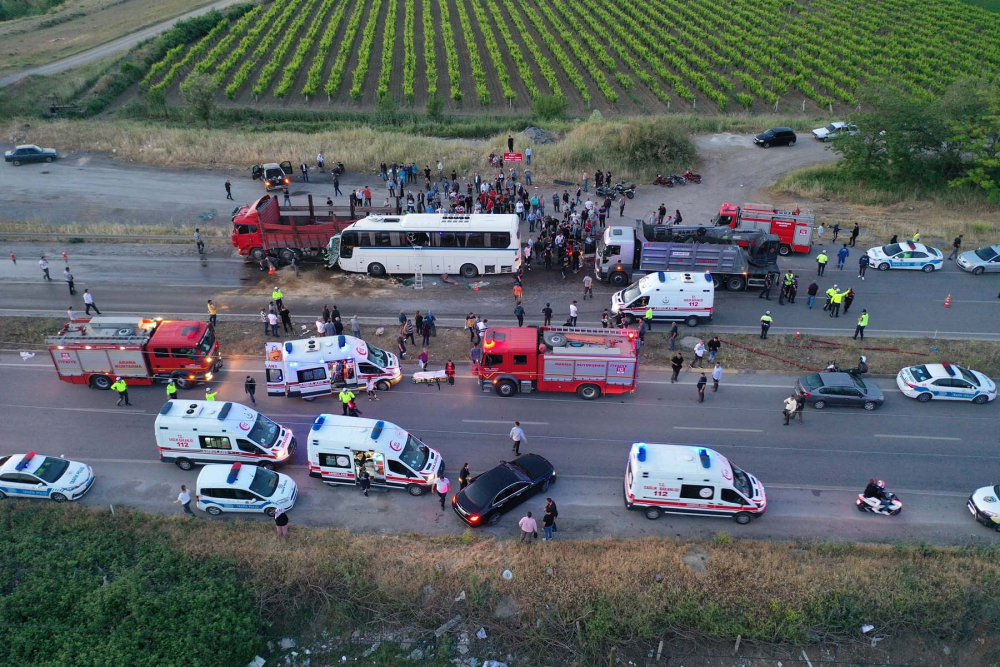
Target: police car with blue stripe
{"x": 239, "y": 488}
{"x": 32, "y": 475}
{"x": 945, "y": 382}
{"x": 905, "y": 255}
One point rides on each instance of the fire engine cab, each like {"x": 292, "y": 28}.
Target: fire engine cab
{"x": 142, "y": 351}
{"x": 794, "y": 229}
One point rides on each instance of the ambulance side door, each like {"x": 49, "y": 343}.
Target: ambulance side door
{"x": 337, "y": 468}
{"x": 314, "y": 381}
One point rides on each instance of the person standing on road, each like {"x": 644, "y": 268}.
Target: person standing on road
{"x": 304, "y": 168}
{"x": 811, "y": 292}
{"x": 122, "y": 390}
{"x": 848, "y": 299}
{"x": 648, "y": 317}
{"x": 263, "y": 320}
{"x": 821, "y": 260}
{"x": 676, "y": 363}
{"x": 857, "y": 230}
{"x": 702, "y": 381}
{"x": 366, "y": 482}
{"x": 250, "y": 388}
{"x": 862, "y": 323}
{"x": 272, "y": 321}
{"x": 519, "y": 314}
{"x": 449, "y": 371}
{"x": 699, "y": 354}
{"x": 171, "y": 389}
{"x": 829, "y": 297}
{"x": 229, "y": 189}
{"x": 716, "y": 376}
{"x": 517, "y": 436}
{"x": 547, "y": 522}
{"x": 212, "y": 312}
{"x": 68, "y": 277}
{"x": 550, "y": 507}
{"x": 277, "y": 296}
{"x": 863, "y": 263}
{"x": 336, "y": 186}
{"x": 209, "y": 394}
{"x": 956, "y": 247}
{"x": 88, "y": 301}
{"x": 621, "y": 206}
{"x": 370, "y": 389}
{"x": 355, "y": 327}
{"x": 836, "y": 231}
{"x": 345, "y": 396}
{"x": 198, "y": 242}
{"x": 588, "y": 287}
{"x": 281, "y": 522}
{"x": 836, "y": 300}
{"x": 547, "y": 313}
{"x": 842, "y": 257}
{"x": 789, "y": 408}
{"x": 819, "y": 233}
{"x": 768, "y": 283}
{"x": 574, "y": 312}
{"x": 286, "y": 320}
{"x": 442, "y": 486}
{"x": 800, "y": 406}
{"x": 184, "y": 500}
{"x": 43, "y": 264}
{"x": 529, "y": 528}
{"x": 765, "y": 324}
{"x": 463, "y": 477}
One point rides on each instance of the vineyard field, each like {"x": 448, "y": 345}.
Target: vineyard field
{"x": 497, "y": 56}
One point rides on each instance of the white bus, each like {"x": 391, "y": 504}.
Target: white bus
{"x": 469, "y": 245}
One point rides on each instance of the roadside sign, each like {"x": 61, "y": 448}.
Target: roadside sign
{"x": 513, "y": 157}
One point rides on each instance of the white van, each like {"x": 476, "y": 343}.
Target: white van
{"x": 689, "y": 479}
{"x": 239, "y": 488}
{"x": 673, "y": 296}
{"x": 191, "y": 432}
{"x": 312, "y": 367}
{"x": 341, "y": 447}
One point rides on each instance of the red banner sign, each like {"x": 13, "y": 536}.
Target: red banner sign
{"x": 513, "y": 157}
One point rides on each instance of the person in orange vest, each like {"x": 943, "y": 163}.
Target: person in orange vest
{"x": 518, "y": 291}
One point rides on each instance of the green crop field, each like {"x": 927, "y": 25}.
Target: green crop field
{"x": 621, "y": 58}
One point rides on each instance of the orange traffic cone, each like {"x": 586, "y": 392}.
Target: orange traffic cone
{"x": 64, "y": 255}
{"x": 798, "y": 333}
{"x": 947, "y": 301}
{"x": 270, "y": 271}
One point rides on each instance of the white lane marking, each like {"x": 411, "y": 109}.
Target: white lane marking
{"x": 714, "y": 428}
{"x": 501, "y": 421}
{"x": 916, "y": 437}
{"x": 113, "y": 411}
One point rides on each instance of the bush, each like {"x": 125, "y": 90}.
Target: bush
{"x": 550, "y": 107}
{"x": 199, "y": 91}
{"x": 435, "y": 106}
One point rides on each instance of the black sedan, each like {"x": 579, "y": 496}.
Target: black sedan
{"x": 29, "y": 153}
{"x": 489, "y": 495}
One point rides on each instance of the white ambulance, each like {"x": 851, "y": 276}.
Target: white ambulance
{"x": 312, "y": 367}
{"x": 690, "y": 479}
{"x": 340, "y": 448}
{"x": 191, "y": 432}
{"x": 673, "y": 296}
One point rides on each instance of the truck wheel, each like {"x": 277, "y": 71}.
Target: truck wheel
{"x": 288, "y": 255}
{"x": 469, "y": 271}
{"x": 506, "y": 388}
{"x": 100, "y": 382}
{"x": 376, "y": 270}
{"x": 692, "y": 321}
{"x": 182, "y": 380}
{"x": 553, "y": 339}
{"x": 742, "y": 518}
{"x": 735, "y": 283}
{"x": 589, "y": 392}
{"x": 383, "y": 385}
{"x": 415, "y": 490}
{"x": 784, "y": 250}
{"x": 257, "y": 253}
{"x": 58, "y": 497}
{"x": 652, "y": 513}
{"x": 716, "y": 283}
{"x": 618, "y": 279}
{"x": 184, "y": 464}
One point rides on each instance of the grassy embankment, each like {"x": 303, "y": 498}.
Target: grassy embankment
{"x": 216, "y": 591}
{"x": 744, "y": 352}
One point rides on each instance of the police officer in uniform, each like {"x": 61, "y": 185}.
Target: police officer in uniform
{"x": 649, "y": 318}
{"x": 346, "y": 396}
{"x": 765, "y": 324}
{"x": 209, "y": 394}
{"x": 171, "y": 389}
{"x": 122, "y": 390}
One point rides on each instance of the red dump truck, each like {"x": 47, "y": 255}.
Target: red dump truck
{"x": 794, "y": 228}
{"x": 589, "y": 362}
{"x": 93, "y": 351}
{"x": 263, "y": 228}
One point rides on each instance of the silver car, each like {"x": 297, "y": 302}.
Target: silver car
{"x": 981, "y": 260}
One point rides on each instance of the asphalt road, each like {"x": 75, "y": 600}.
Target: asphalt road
{"x": 110, "y": 48}
{"x": 932, "y": 455}
{"x": 146, "y": 279}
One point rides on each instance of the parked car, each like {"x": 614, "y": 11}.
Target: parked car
{"x": 30, "y": 153}
{"x": 835, "y": 130}
{"x": 838, "y": 389}
{"x": 275, "y": 176}
{"x": 945, "y": 382}
{"x": 985, "y": 507}
{"x": 497, "y": 491}
{"x": 980, "y": 260}
{"x": 776, "y": 136}
{"x": 905, "y": 255}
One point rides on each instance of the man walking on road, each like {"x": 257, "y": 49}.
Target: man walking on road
{"x": 336, "y": 186}
{"x": 854, "y": 234}
{"x": 88, "y": 301}
{"x": 765, "y": 324}
{"x": 821, "y": 260}
{"x": 122, "y": 390}
{"x": 442, "y": 486}
{"x": 811, "y": 292}
{"x": 250, "y": 387}
{"x": 842, "y": 257}
{"x": 573, "y": 314}
{"x": 517, "y": 437}
{"x": 676, "y": 364}
{"x": 198, "y": 242}
{"x": 229, "y": 189}
{"x": 547, "y": 313}
{"x": 716, "y": 376}
{"x": 956, "y": 247}
{"x": 43, "y": 264}
{"x": 863, "y": 263}
{"x": 519, "y": 314}
{"x": 212, "y": 313}
{"x": 836, "y": 300}
{"x": 672, "y": 336}
{"x": 588, "y": 287}
{"x": 702, "y": 381}
{"x": 184, "y": 500}
{"x": 862, "y": 323}
{"x": 68, "y": 277}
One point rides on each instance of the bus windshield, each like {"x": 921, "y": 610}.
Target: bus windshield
{"x": 742, "y": 482}
{"x": 264, "y": 482}
{"x": 414, "y": 454}
{"x": 264, "y": 431}
{"x": 378, "y": 357}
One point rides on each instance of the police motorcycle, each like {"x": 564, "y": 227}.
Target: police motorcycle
{"x": 877, "y": 500}
{"x": 858, "y": 371}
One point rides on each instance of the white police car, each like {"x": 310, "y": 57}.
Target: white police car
{"x": 32, "y": 475}
{"x": 239, "y": 488}
{"x": 947, "y": 382}
{"x": 985, "y": 507}
{"x": 905, "y": 255}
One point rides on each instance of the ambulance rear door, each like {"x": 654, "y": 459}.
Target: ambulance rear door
{"x": 336, "y": 467}
{"x": 274, "y": 367}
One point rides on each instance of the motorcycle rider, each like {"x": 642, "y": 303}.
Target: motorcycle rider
{"x": 876, "y": 489}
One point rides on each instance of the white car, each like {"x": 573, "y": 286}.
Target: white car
{"x": 32, "y": 475}
{"x": 945, "y": 382}
{"x": 240, "y": 488}
{"x": 985, "y": 507}
{"x": 835, "y": 131}
{"x": 905, "y": 255}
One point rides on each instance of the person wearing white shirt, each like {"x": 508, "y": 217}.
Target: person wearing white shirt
{"x": 320, "y": 327}
{"x": 716, "y": 376}
{"x": 517, "y": 436}
{"x": 43, "y": 264}
{"x": 88, "y": 300}
{"x": 699, "y": 354}
{"x": 272, "y": 321}
{"x": 481, "y": 327}
{"x": 529, "y": 528}
{"x": 573, "y": 313}
{"x": 442, "y": 486}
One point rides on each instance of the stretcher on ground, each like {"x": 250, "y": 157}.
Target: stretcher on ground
{"x": 430, "y": 377}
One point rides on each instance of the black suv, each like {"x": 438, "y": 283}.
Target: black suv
{"x": 776, "y": 136}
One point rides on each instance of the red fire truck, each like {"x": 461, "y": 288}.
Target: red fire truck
{"x": 794, "y": 229}
{"x": 589, "y": 362}
{"x": 93, "y": 351}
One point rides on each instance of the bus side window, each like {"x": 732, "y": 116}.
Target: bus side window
{"x": 499, "y": 240}
{"x": 476, "y": 240}
{"x": 348, "y": 241}
{"x": 383, "y": 239}
{"x": 364, "y": 239}
{"x": 447, "y": 240}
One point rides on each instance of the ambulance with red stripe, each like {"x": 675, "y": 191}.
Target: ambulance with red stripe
{"x": 195, "y": 432}
{"x": 690, "y": 479}
{"x": 341, "y": 448}
{"x": 674, "y": 296}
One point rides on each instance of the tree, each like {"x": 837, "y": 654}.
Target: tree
{"x": 550, "y": 107}
{"x": 199, "y": 92}
{"x": 435, "y": 107}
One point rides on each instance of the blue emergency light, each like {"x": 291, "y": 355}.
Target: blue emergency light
{"x": 641, "y": 453}
{"x": 25, "y": 460}
{"x": 706, "y": 461}
{"x": 377, "y": 431}
{"x": 662, "y": 276}
{"x": 234, "y": 473}
{"x": 341, "y": 341}
{"x": 288, "y": 347}
{"x": 318, "y": 422}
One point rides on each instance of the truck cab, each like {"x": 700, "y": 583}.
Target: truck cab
{"x": 274, "y": 175}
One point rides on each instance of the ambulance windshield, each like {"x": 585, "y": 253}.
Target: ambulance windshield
{"x": 264, "y": 432}
{"x": 742, "y": 482}
{"x": 378, "y": 357}
{"x": 630, "y": 294}
{"x": 264, "y": 483}
{"x": 414, "y": 454}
